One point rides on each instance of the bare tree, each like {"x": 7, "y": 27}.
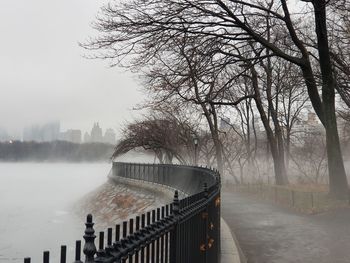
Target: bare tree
{"x": 165, "y": 135}
{"x": 309, "y": 158}
{"x": 194, "y": 73}
{"x": 339, "y": 24}
{"x": 291, "y": 94}
{"x": 206, "y": 149}
{"x": 141, "y": 28}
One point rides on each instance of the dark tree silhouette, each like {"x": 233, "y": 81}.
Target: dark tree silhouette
{"x": 141, "y": 29}
{"x": 166, "y": 136}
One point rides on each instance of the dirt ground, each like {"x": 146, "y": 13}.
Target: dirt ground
{"x": 113, "y": 203}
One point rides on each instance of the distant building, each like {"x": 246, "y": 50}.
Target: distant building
{"x": 4, "y": 135}
{"x": 75, "y": 136}
{"x": 96, "y": 133}
{"x": 309, "y": 127}
{"x": 42, "y": 133}
{"x": 31, "y": 133}
{"x": 109, "y": 136}
{"x": 312, "y": 119}
{"x": 87, "y": 137}
{"x": 50, "y": 131}
{"x": 305, "y": 129}
{"x": 71, "y": 136}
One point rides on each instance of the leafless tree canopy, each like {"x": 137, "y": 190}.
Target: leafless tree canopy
{"x": 168, "y": 137}
{"x": 203, "y": 50}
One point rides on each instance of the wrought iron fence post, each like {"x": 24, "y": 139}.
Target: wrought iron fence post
{"x": 89, "y": 247}
{"x": 173, "y": 233}
{"x": 217, "y": 205}
{"x": 100, "y": 254}
{"x": 206, "y": 217}
{"x": 77, "y": 252}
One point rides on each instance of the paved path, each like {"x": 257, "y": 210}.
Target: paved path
{"x": 271, "y": 234}
{"x": 229, "y": 251}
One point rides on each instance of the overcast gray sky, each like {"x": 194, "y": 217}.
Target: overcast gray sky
{"x": 43, "y": 75}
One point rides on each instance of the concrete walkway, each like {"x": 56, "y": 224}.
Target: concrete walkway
{"x": 272, "y": 234}
{"x": 229, "y": 251}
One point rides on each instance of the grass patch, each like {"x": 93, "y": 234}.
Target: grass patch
{"x": 308, "y": 199}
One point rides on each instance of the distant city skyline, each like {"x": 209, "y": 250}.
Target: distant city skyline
{"x": 53, "y": 130}
{"x": 44, "y": 75}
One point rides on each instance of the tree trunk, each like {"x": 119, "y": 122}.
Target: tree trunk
{"x": 279, "y": 166}
{"x": 287, "y": 149}
{"x": 338, "y": 185}
{"x": 214, "y": 131}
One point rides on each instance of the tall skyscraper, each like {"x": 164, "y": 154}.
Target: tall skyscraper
{"x": 96, "y": 133}
{"x": 42, "y": 133}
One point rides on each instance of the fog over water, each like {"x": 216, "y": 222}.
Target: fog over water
{"x": 44, "y": 72}
{"x": 36, "y": 202}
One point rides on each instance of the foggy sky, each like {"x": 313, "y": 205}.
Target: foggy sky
{"x": 44, "y": 76}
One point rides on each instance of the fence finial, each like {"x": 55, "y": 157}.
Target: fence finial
{"x": 89, "y": 247}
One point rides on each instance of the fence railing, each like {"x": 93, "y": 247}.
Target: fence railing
{"x": 185, "y": 231}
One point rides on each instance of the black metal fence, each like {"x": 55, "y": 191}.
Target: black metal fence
{"x": 185, "y": 231}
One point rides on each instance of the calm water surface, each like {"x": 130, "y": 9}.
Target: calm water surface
{"x": 36, "y": 202}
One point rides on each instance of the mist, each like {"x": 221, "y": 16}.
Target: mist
{"x": 37, "y": 200}
{"x": 45, "y": 76}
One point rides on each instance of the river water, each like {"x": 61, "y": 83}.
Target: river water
{"x": 36, "y": 201}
